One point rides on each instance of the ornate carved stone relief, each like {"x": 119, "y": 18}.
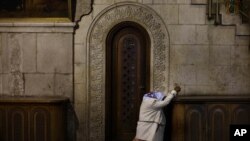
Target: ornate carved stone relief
{"x": 96, "y": 39}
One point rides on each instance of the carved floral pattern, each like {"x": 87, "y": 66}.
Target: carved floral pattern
{"x": 99, "y": 29}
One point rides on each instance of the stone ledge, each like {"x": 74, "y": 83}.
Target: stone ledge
{"x": 37, "y": 25}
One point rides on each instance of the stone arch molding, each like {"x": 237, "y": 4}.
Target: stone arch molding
{"x": 96, "y": 44}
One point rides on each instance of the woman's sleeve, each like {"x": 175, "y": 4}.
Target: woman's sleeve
{"x": 160, "y": 104}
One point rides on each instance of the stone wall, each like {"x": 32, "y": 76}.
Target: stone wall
{"x": 36, "y": 58}
{"x": 204, "y": 58}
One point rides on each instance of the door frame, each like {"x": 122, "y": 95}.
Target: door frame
{"x": 108, "y": 84}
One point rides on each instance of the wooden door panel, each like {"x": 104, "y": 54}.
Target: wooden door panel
{"x": 128, "y": 72}
{"x": 195, "y": 122}
{"x": 127, "y": 65}
{"x": 218, "y": 122}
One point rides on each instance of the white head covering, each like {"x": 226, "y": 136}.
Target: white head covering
{"x": 155, "y": 95}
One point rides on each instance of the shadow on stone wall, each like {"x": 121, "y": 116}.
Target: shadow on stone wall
{"x": 72, "y": 123}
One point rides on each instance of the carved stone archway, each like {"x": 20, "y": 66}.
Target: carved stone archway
{"x": 96, "y": 44}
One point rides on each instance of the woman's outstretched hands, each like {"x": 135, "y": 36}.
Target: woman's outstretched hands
{"x": 177, "y": 88}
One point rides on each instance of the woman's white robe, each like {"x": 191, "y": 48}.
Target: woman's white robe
{"x": 151, "y": 124}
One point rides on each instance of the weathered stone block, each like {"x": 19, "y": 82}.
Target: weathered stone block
{"x": 220, "y": 75}
{"x": 64, "y": 85}
{"x": 5, "y": 54}
{"x": 192, "y": 14}
{"x": 28, "y": 49}
{"x": 199, "y": 90}
{"x": 159, "y": 1}
{"x": 98, "y": 8}
{"x": 6, "y": 84}
{"x": 19, "y": 49}
{"x": 81, "y": 33}
{"x": 54, "y": 53}
{"x": 187, "y": 74}
{"x": 183, "y": 1}
{"x": 169, "y": 13}
{"x": 203, "y": 2}
{"x": 191, "y": 54}
{"x": 221, "y": 35}
{"x": 0, "y": 44}
{"x": 204, "y": 75}
{"x": 1, "y": 83}
{"x": 240, "y": 55}
{"x": 240, "y": 75}
{"x": 238, "y": 89}
{"x": 104, "y": 1}
{"x": 178, "y": 34}
{"x": 80, "y": 73}
{"x": 202, "y": 34}
{"x": 228, "y": 19}
{"x": 242, "y": 40}
{"x": 80, "y": 111}
{"x": 39, "y": 84}
{"x": 220, "y": 55}
{"x": 80, "y": 53}
{"x": 80, "y": 93}
{"x": 148, "y": 1}
{"x": 243, "y": 29}
{"x": 172, "y": 1}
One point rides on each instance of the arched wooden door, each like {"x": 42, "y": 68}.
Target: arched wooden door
{"x": 127, "y": 79}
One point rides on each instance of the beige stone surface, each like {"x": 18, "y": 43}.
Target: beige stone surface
{"x": 82, "y": 7}
{"x": 204, "y": 59}
{"x": 242, "y": 40}
{"x": 169, "y": 13}
{"x": 192, "y": 14}
{"x": 64, "y": 85}
{"x": 222, "y": 35}
{"x": 5, "y": 53}
{"x": 147, "y": 1}
{"x": 116, "y": 1}
{"x": 199, "y": 89}
{"x": 240, "y": 79}
{"x": 80, "y": 93}
{"x": 182, "y": 54}
{"x": 81, "y": 34}
{"x": 202, "y": 36}
{"x": 220, "y": 55}
{"x": 80, "y": 73}
{"x": 98, "y": 8}
{"x": 240, "y": 55}
{"x": 54, "y": 53}
{"x": 187, "y": 74}
{"x": 1, "y": 83}
{"x": 204, "y": 2}
{"x": 243, "y": 29}
{"x": 27, "y": 43}
{"x": 104, "y": 1}
{"x": 183, "y": 1}
{"x": 5, "y": 84}
{"x": 182, "y": 34}
{"x": 1, "y": 52}
{"x": 204, "y": 75}
{"x": 160, "y": 1}
{"x": 39, "y": 84}
{"x": 80, "y": 53}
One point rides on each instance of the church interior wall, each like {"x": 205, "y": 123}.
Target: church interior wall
{"x": 205, "y": 59}
{"x": 36, "y": 59}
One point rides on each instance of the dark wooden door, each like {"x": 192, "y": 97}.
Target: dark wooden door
{"x": 128, "y": 73}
